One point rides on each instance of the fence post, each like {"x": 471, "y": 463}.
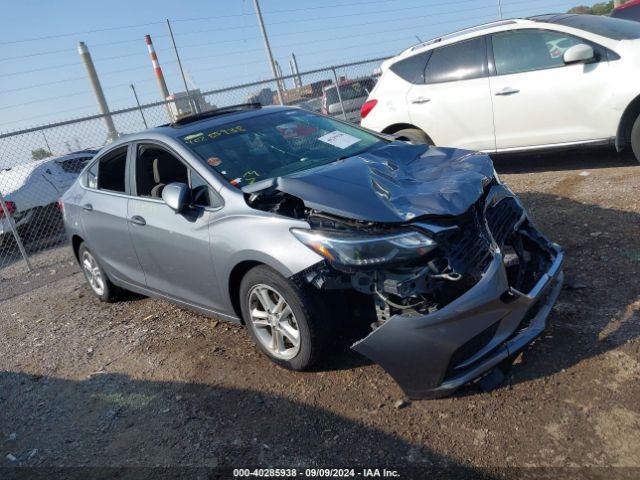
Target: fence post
{"x": 335, "y": 77}
{"x": 12, "y": 225}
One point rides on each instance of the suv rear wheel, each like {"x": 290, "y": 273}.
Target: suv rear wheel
{"x": 282, "y": 319}
{"x": 635, "y": 138}
{"x": 413, "y": 135}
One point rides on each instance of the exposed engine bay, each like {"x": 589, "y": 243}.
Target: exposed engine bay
{"x": 465, "y": 245}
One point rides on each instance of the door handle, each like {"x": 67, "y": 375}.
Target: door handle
{"x": 421, "y": 100}
{"x": 507, "y": 91}
{"x": 87, "y": 207}
{"x": 138, "y": 220}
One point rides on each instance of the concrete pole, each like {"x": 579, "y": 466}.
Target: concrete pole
{"x": 500, "y": 9}
{"x": 268, "y": 47}
{"x": 164, "y": 91}
{"x": 335, "y": 77}
{"x": 112, "y": 134}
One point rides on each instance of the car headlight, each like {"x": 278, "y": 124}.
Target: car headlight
{"x": 352, "y": 250}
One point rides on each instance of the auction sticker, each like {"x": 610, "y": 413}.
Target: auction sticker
{"x": 339, "y": 139}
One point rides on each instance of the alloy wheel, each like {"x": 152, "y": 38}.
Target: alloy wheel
{"x": 92, "y": 273}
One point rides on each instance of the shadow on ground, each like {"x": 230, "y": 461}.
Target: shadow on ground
{"x": 114, "y": 420}
{"x": 578, "y": 159}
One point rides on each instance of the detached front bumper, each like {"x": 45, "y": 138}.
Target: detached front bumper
{"x": 432, "y": 355}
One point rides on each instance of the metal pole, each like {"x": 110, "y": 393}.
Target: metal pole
{"x": 112, "y": 134}
{"x": 144, "y": 120}
{"x": 194, "y": 104}
{"x": 268, "y": 47}
{"x": 12, "y": 225}
{"x": 335, "y": 77}
{"x": 46, "y": 142}
{"x": 500, "y": 8}
{"x": 295, "y": 65}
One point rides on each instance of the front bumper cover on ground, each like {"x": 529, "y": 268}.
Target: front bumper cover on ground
{"x": 417, "y": 350}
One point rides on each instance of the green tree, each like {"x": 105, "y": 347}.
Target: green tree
{"x": 603, "y": 8}
{"x": 40, "y": 153}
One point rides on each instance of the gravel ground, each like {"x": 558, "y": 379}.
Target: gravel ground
{"x": 144, "y": 383}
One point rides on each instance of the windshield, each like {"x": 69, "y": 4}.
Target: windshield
{"x": 276, "y": 144}
{"x": 614, "y": 28}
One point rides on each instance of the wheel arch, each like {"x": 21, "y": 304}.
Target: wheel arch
{"x": 396, "y": 127}
{"x": 76, "y": 241}
{"x": 623, "y": 135}
{"x": 235, "y": 278}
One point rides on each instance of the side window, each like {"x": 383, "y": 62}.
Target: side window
{"x": 412, "y": 69}
{"x": 200, "y": 194}
{"x": 527, "y": 50}
{"x": 156, "y": 168}
{"x": 460, "y": 61}
{"x": 112, "y": 170}
{"x": 91, "y": 178}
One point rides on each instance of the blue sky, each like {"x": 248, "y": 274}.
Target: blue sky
{"x": 42, "y": 79}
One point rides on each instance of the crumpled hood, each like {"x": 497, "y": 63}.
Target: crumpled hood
{"x": 394, "y": 183}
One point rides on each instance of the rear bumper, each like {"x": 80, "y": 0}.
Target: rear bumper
{"x": 492, "y": 321}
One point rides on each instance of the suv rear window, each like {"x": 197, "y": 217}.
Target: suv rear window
{"x": 459, "y": 61}
{"x": 614, "y": 28}
{"x": 412, "y": 69}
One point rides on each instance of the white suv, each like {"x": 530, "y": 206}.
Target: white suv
{"x": 508, "y": 86}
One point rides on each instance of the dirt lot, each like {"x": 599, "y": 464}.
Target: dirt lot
{"x": 141, "y": 382}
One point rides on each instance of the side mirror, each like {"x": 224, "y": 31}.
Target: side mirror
{"x": 578, "y": 54}
{"x": 177, "y": 196}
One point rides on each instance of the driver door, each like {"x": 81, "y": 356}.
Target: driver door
{"x": 537, "y": 99}
{"x": 173, "y": 248}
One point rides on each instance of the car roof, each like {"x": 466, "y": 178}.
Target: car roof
{"x": 474, "y": 31}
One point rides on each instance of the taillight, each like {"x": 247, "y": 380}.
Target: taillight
{"x": 60, "y": 205}
{"x": 367, "y": 107}
{"x": 11, "y": 207}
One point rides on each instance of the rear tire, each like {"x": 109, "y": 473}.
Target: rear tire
{"x": 635, "y": 138}
{"x": 413, "y": 135}
{"x": 293, "y": 334}
{"x": 96, "y": 277}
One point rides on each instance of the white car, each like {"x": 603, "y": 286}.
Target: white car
{"x": 31, "y": 192}
{"x": 503, "y": 87}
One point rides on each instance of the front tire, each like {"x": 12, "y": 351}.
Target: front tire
{"x": 413, "y": 135}
{"x": 96, "y": 277}
{"x": 635, "y": 138}
{"x": 282, "y": 319}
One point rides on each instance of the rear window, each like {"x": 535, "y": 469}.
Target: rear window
{"x": 276, "y": 144}
{"x": 112, "y": 171}
{"x": 351, "y": 90}
{"x": 412, "y": 69}
{"x": 614, "y": 28}
{"x": 460, "y": 61}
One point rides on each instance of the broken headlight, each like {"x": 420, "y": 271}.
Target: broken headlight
{"x": 353, "y": 250}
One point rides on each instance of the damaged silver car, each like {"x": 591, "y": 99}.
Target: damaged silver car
{"x": 301, "y": 226}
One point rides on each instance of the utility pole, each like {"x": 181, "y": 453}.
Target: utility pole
{"x": 192, "y": 102}
{"x": 500, "y": 9}
{"x": 144, "y": 120}
{"x": 268, "y": 47}
{"x": 164, "y": 91}
{"x": 112, "y": 134}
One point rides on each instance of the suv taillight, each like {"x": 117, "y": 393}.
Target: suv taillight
{"x": 367, "y": 107}
{"x": 11, "y": 207}
{"x": 60, "y": 205}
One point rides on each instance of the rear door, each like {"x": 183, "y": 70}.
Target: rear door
{"x": 173, "y": 248}
{"x": 538, "y": 100}
{"x": 453, "y": 105}
{"x": 104, "y": 216}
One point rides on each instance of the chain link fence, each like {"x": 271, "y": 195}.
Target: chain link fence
{"x": 33, "y": 174}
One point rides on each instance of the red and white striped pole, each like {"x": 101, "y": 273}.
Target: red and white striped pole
{"x": 164, "y": 91}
